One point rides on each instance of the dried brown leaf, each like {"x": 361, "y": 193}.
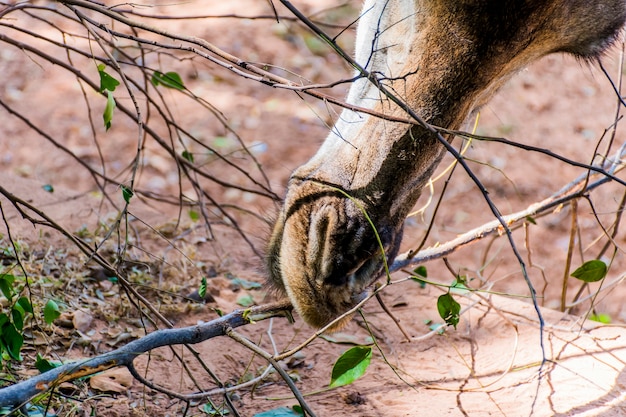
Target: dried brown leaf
{"x": 113, "y": 380}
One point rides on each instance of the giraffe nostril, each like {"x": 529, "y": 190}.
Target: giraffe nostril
{"x": 320, "y": 256}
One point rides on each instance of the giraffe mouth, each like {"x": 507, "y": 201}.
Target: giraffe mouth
{"x": 327, "y": 255}
{"x": 363, "y": 275}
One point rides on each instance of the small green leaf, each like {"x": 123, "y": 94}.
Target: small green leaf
{"x": 245, "y": 300}
{"x": 602, "y": 318}
{"x": 169, "y": 79}
{"x": 44, "y": 365}
{"x": 315, "y": 44}
{"x": 194, "y": 215}
{"x": 107, "y": 115}
{"x": 591, "y": 271}
{"x": 202, "y": 289}
{"x": 12, "y": 340}
{"x": 51, "y": 311}
{"x": 127, "y": 193}
{"x": 17, "y": 314}
{"x": 24, "y": 302}
{"x": 459, "y": 285}
{"x": 48, "y": 188}
{"x": 350, "y": 366}
{"x": 187, "y": 155}
{"x": 107, "y": 82}
{"x": 449, "y": 309}
{"x": 437, "y": 327}
{"x": 531, "y": 219}
{"x": 420, "y": 275}
{"x": 460, "y": 281}
{"x": 6, "y": 285}
{"x": 221, "y": 142}
{"x": 280, "y": 412}
{"x": 421, "y": 271}
{"x": 212, "y": 411}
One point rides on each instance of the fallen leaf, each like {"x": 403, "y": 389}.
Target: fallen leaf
{"x": 68, "y": 388}
{"x": 348, "y": 339}
{"x": 82, "y": 321}
{"x": 65, "y": 320}
{"x": 121, "y": 338}
{"x": 297, "y": 360}
{"x": 113, "y": 380}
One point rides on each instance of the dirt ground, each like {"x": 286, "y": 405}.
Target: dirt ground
{"x": 491, "y": 365}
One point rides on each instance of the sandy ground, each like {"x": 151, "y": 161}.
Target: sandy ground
{"x": 493, "y": 364}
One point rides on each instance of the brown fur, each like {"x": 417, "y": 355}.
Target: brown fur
{"x": 445, "y": 58}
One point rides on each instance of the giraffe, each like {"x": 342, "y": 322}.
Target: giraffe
{"x": 445, "y": 58}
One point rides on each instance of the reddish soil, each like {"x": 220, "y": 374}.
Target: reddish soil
{"x": 488, "y": 366}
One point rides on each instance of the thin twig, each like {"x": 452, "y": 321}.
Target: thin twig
{"x": 296, "y": 392}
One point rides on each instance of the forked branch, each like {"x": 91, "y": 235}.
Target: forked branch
{"x": 18, "y": 394}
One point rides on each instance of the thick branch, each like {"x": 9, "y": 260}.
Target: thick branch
{"x": 571, "y": 191}
{"x": 21, "y": 392}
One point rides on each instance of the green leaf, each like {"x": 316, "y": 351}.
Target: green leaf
{"x": 12, "y": 340}
{"x": 350, "y": 366}
{"x": 6, "y": 285}
{"x": 194, "y": 215}
{"x": 315, "y": 44}
{"x": 202, "y": 289}
{"x": 127, "y": 193}
{"x": 449, "y": 309}
{"x": 24, "y": 302}
{"x": 459, "y": 285}
{"x": 48, "y": 188}
{"x": 187, "y": 155}
{"x": 531, "y": 219}
{"x": 602, "y": 318}
{"x": 438, "y": 327}
{"x": 280, "y": 412}
{"x": 51, "y": 311}
{"x": 460, "y": 281}
{"x": 17, "y": 314}
{"x": 107, "y": 82}
{"x": 107, "y": 115}
{"x": 245, "y": 300}
{"x": 169, "y": 79}
{"x": 43, "y": 365}
{"x": 221, "y": 142}
{"x": 591, "y": 271}
{"x": 420, "y": 275}
{"x": 212, "y": 411}
{"x": 421, "y": 271}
